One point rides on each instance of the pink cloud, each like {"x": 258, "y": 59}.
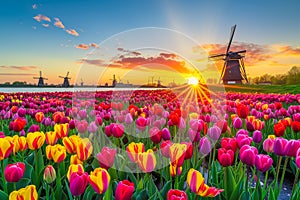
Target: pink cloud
{"x": 72, "y": 32}
{"x": 94, "y": 45}
{"x": 82, "y": 46}
{"x": 41, "y": 17}
{"x": 23, "y": 68}
{"x": 45, "y": 25}
{"x": 58, "y": 23}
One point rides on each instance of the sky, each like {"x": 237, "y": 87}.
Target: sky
{"x": 145, "y": 40}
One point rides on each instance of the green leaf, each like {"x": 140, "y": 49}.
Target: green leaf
{"x": 142, "y": 195}
{"x": 88, "y": 192}
{"x": 22, "y": 183}
{"x": 28, "y": 170}
{"x": 236, "y": 194}
{"x": 165, "y": 190}
{"x": 140, "y": 185}
{"x": 3, "y": 195}
{"x": 229, "y": 181}
{"x": 68, "y": 190}
{"x": 109, "y": 193}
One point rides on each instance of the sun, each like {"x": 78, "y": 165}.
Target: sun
{"x": 193, "y": 81}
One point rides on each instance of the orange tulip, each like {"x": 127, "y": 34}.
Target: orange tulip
{"x": 39, "y": 116}
{"x": 62, "y": 130}
{"x": 197, "y": 185}
{"x": 6, "y": 147}
{"x": 51, "y": 137}
{"x": 84, "y": 149}
{"x": 35, "y": 140}
{"x": 71, "y": 142}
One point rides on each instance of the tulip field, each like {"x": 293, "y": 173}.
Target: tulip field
{"x": 149, "y": 144}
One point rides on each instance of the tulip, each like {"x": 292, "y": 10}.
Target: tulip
{"x": 106, "y": 157}
{"x": 174, "y": 118}
{"x": 225, "y": 157}
{"x": 295, "y": 126}
{"x": 92, "y": 127}
{"x": 298, "y": 158}
{"x": 155, "y": 135}
{"x": 124, "y": 190}
{"x": 197, "y": 185}
{"x": 62, "y": 130}
{"x": 165, "y": 148}
{"x": 74, "y": 168}
{"x": 242, "y": 131}
{"x": 204, "y": 146}
{"x": 6, "y": 147}
{"x": 222, "y": 124}
{"x": 268, "y": 145}
{"x": 29, "y": 192}
{"x": 57, "y": 153}
{"x": 99, "y": 179}
{"x": 19, "y": 124}
{"x": 51, "y": 137}
{"x": 279, "y": 146}
{"x": 243, "y": 140}
{"x": 214, "y": 133}
{"x": 176, "y": 195}
{"x": 56, "y": 117}
{"x": 39, "y": 116}
{"x": 21, "y": 112}
{"x": 33, "y": 128}
{"x": 107, "y": 130}
{"x": 49, "y": 174}
{"x": 75, "y": 160}
{"x": 20, "y": 143}
{"x": 196, "y": 124}
{"x": 84, "y": 149}
{"x": 242, "y": 111}
{"x": 291, "y": 148}
{"x": 247, "y": 155}
{"x": 177, "y": 154}
{"x": 141, "y": 123}
{"x": 174, "y": 170}
{"x": 147, "y": 161}
{"x": 237, "y": 123}
{"x": 133, "y": 149}
{"x": 117, "y": 130}
{"x": 229, "y": 143}
{"x": 128, "y": 119}
{"x": 71, "y": 143}
{"x": 35, "y": 140}
{"x": 165, "y": 134}
{"x": 263, "y": 162}
{"x": 279, "y": 129}
{"x": 194, "y": 136}
{"x": 257, "y": 136}
{"x": 189, "y": 150}
{"x": 14, "y": 172}
{"x": 78, "y": 182}
{"x": 2, "y": 135}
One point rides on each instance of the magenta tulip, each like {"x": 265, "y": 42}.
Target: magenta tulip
{"x": 78, "y": 182}
{"x": 291, "y": 148}
{"x": 279, "y": 146}
{"x": 14, "y": 172}
{"x": 263, "y": 162}
{"x": 247, "y": 155}
{"x": 124, "y": 190}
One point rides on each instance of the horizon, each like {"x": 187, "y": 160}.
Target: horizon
{"x": 97, "y": 39}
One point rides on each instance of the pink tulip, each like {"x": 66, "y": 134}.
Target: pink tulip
{"x": 263, "y": 162}
{"x": 14, "y": 172}
{"x": 247, "y": 155}
{"x": 291, "y": 148}
{"x": 268, "y": 145}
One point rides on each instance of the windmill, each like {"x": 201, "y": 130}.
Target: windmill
{"x": 114, "y": 80}
{"x": 41, "y": 80}
{"x": 81, "y": 82}
{"x": 233, "y": 71}
{"x": 66, "y": 80}
{"x": 158, "y": 82}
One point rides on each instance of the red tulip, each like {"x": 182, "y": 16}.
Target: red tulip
{"x": 295, "y": 126}
{"x": 155, "y": 135}
{"x": 117, "y": 130}
{"x": 19, "y": 124}
{"x": 242, "y": 111}
{"x": 279, "y": 129}
{"x": 225, "y": 157}
{"x": 165, "y": 148}
{"x": 124, "y": 190}
{"x": 189, "y": 150}
{"x": 229, "y": 143}
{"x": 247, "y": 155}
{"x": 106, "y": 157}
{"x": 176, "y": 195}
{"x": 78, "y": 182}
{"x": 263, "y": 162}
{"x": 14, "y": 172}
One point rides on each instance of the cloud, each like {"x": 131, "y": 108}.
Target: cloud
{"x": 34, "y": 6}
{"x": 94, "y": 45}
{"x": 23, "y": 68}
{"x": 58, "y": 23}
{"x": 41, "y": 17}
{"x": 45, "y": 25}
{"x": 72, "y": 32}
{"x": 135, "y": 53}
{"x": 16, "y": 74}
{"x": 82, "y": 46}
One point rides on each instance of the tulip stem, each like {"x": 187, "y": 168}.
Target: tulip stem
{"x": 283, "y": 172}
{"x": 266, "y": 179}
{"x": 3, "y": 177}
{"x": 47, "y": 191}
{"x": 278, "y": 168}
{"x": 295, "y": 181}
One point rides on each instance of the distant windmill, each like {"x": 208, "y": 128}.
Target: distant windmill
{"x": 114, "y": 80}
{"x": 158, "y": 82}
{"x": 41, "y": 80}
{"x": 66, "y": 80}
{"x": 81, "y": 83}
{"x": 233, "y": 71}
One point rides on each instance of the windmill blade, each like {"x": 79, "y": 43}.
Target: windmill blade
{"x": 231, "y": 37}
{"x": 240, "y": 52}
{"x": 45, "y": 78}
{"x": 40, "y": 73}
{"x": 67, "y": 74}
{"x": 61, "y": 77}
{"x": 216, "y": 55}
{"x": 36, "y": 77}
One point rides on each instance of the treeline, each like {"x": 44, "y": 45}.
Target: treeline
{"x": 292, "y": 77}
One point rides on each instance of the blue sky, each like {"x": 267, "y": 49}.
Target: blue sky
{"x": 27, "y": 46}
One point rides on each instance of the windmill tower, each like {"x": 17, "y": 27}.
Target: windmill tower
{"x": 158, "y": 82}
{"x": 41, "y": 80}
{"x": 233, "y": 71}
{"x": 81, "y": 82}
{"x": 114, "y": 81}
{"x": 66, "y": 82}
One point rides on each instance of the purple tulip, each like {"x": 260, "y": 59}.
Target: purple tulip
{"x": 214, "y": 132}
{"x": 257, "y": 136}
{"x": 204, "y": 146}
{"x": 279, "y": 146}
{"x": 194, "y": 135}
{"x": 237, "y": 123}
{"x": 166, "y": 134}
